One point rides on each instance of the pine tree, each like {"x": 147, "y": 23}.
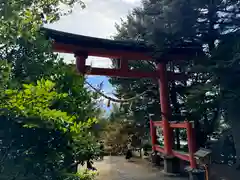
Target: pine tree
{"x": 214, "y": 25}
{"x": 159, "y": 24}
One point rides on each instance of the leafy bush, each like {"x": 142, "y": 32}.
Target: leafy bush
{"x": 87, "y": 174}
{"x": 45, "y": 128}
{"x": 38, "y": 142}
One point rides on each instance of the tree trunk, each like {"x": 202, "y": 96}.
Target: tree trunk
{"x": 177, "y": 113}
{"x": 69, "y": 161}
{"x": 233, "y": 114}
{"x": 176, "y": 110}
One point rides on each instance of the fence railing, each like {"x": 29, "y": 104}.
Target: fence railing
{"x": 191, "y": 139}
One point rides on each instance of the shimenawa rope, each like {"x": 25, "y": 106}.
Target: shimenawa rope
{"x": 113, "y": 99}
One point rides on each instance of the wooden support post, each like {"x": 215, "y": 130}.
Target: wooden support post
{"x": 165, "y": 107}
{"x": 194, "y": 142}
{"x": 191, "y": 145}
{"x": 153, "y": 135}
{"x": 124, "y": 65}
{"x": 81, "y": 62}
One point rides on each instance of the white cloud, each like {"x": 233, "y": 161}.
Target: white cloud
{"x": 93, "y": 61}
{"x": 99, "y": 62}
{"x": 132, "y": 1}
{"x": 98, "y": 20}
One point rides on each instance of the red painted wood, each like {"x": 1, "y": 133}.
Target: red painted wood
{"x": 165, "y": 107}
{"x": 71, "y": 49}
{"x": 153, "y": 135}
{"x": 190, "y": 145}
{"x": 172, "y": 125}
{"x": 80, "y": 63}
{"x": 124, "y": 64}
{"x": 159, "y": 149}
{"x": 194, "y": 145}
{"x": 101, "y": 52}
{"x": 131, "y": 73}
{"x": 121, "y": 73}
{"x": 158, "y": 123}
{"x": 178, "y": 125}
{"x": 179, "y": 155}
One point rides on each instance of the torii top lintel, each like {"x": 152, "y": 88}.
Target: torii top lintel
{"x": 132, "y": 50}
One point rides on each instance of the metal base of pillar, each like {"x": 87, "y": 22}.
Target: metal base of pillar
{"x": 171, "y": 165}
{"x": 196, "y": 174}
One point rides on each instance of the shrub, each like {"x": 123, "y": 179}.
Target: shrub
{"x": 86, "y": 174}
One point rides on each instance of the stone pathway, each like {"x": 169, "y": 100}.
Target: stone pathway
{"x": 117, "y": 168}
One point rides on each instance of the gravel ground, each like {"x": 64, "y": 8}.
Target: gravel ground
{"x": 117, "y": 168}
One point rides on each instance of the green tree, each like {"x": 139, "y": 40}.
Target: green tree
{"x": 207, "y": 24}
{"x": 120, "y": 129}
{"x": 22, "y": 44}
{"x": 159, "y": 24}
{"x": 36, "y": 139}
{"x": 80, "y": 102}
{"x": 42, "y": 138}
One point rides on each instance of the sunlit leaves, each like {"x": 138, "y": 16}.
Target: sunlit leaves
{"x": 5, "y": 70}
{"x": 47, "y": 138}
{"x": 21, "y": 41}
{"x": 35, "y": 101}
{"x": 30, "y": 109}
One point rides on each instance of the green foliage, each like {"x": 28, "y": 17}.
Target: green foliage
{"x": 53, "y": 134}
{"x": 5, "y": 70}
{"x": 211, "y": 87}
{"x": 44, "y": 134}
{"x": 80, "y": 102}
{"x": 116, "y": 135}
{"x": 87, "y": 174}
{"x": 36, "y": 101}
{"x": 116, "y": 113}
{"x": 22, "y": 44}
{"x": 119, "y": 131}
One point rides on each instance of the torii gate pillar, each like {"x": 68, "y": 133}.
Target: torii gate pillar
{"x": 165, "y": 106}
{"x": 171, "y": 164}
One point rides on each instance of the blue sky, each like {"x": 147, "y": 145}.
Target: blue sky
{"x": 98, "y": 20}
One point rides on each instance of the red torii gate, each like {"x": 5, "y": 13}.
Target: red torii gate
{"x": 83, "y": 46}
